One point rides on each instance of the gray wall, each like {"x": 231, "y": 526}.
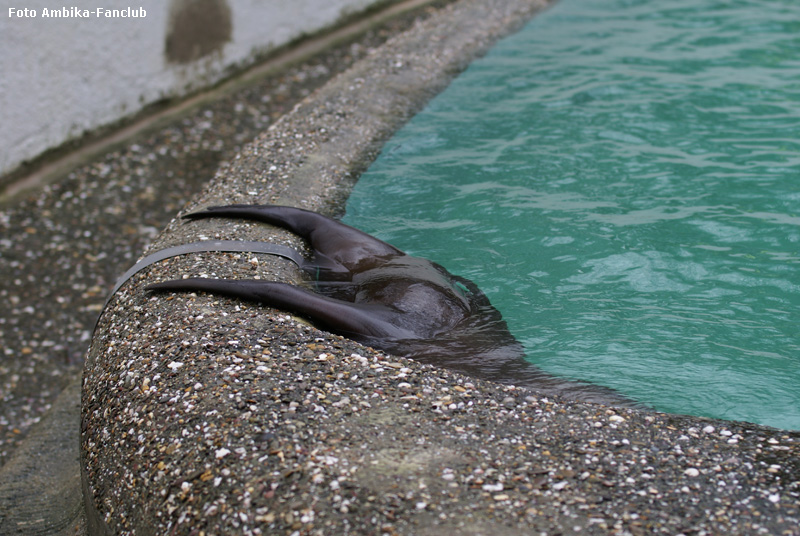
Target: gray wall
{"x": 61, "y": 76}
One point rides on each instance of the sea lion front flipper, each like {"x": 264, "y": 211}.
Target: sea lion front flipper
{"x": 364, "y": 322}
{"x": 333, "y": 242}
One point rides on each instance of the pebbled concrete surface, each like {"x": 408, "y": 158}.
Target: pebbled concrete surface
{"x": 40, "y": 483}
{"x": 203, "y": 415}
{"x": 62, "y": 246}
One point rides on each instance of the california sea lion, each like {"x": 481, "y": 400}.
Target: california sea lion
{"x": 371, "y": 292}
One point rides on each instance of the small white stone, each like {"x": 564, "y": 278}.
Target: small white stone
{"x": 221, "y": 453}
{"x": 691, "y": 472}
{"x": 175, "y": 365}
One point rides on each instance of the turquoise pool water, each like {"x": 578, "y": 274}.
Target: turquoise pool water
{"x": 622, "y": 178}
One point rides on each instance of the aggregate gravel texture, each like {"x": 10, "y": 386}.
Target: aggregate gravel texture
{"x": 204, "y": 415}
{"x": 63, "y": 245}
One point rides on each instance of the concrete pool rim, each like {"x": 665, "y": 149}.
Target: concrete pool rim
{"x": 310, "y": 158}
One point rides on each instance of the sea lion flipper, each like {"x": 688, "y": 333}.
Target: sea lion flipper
{"x": 358, "y": 321}
{"x": 333, "y": 240}
{"x": 300, "y": 222}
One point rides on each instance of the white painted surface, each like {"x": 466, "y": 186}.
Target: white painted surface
{"x": 61, "y": 77}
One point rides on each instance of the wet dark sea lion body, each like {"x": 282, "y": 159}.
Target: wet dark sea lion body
{"x": 370, "y": 291}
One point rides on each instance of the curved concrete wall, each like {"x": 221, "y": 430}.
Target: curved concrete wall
{"x": 76, "y": 67}
{"x": 204, "y": 415}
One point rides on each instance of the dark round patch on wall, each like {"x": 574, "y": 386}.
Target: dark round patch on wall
{"x": 196, "y": 29}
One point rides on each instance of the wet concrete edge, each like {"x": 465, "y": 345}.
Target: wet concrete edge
{"x": 201, "y": 414}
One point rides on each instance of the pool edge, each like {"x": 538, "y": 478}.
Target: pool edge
{"x": 296, "y": 162}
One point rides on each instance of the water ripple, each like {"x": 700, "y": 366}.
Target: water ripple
{"x": 620, "y": 177}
